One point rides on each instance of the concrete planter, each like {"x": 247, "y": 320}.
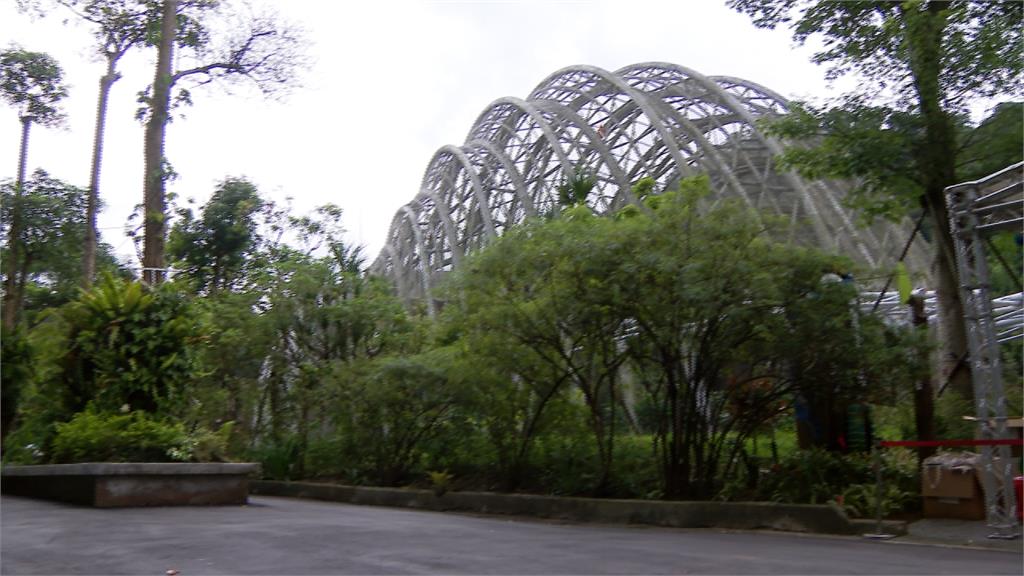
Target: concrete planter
{"x": 108, "y": 485}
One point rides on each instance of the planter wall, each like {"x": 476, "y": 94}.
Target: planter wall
{"x": 825, "y": 519}
{"x": 107, "y": 485}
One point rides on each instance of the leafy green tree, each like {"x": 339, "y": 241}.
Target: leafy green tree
{"x": 52, "y": 223}
{"x": 215, "y": 247}
{"x": 18, "y": 370}
{"x": 32, "y": 83}
{"x": 49, "y": 217}
{"x": 239, "y": 342}
{"x": 324, "y": 317}
{"x": 576, "y": 188}
{"x": 543, "y": 285}
{"x": 920, "y": 64}
{"x": 119, "y": 29}
{"x": 695, "y": 312}
{"x": 711, "y": 298}
{"x": 994, "y": 144}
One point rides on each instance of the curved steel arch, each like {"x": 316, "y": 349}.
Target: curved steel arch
{"x": 515, "y": 178}
{"x": 528, "y": 112}
{"x": 416, "y": 252}
{"x": 652, "y": 110}
{"x": 882, "y": 236}
{"x": 549, "y": 89}
{"x": 446, "y": 223}
{"x": 595, "y": 143}
{"x": 672, "y": 74}
{"x": 651, "y": 119}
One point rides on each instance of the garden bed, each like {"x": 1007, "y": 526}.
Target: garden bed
{"x": 109, "y": 485}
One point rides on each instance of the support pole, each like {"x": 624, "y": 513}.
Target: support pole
{"x": 876, "y": 463}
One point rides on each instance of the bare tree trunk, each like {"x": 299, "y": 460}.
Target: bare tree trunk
{"x": 12, "y": 293}
{"x": 155, "y": 202}
{"x": 936, "y": 160}
{"x": 952, "y": 330}
{"x": 26, "y": 122}
{"x": 89, "y": 252}
{"x": 924, "y": 397}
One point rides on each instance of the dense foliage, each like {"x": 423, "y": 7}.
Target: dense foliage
{"x": 687, "y": 324}
{"x": 632, "y": 355}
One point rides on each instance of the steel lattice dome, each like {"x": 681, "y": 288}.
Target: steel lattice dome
{"x": 653, "y": 119}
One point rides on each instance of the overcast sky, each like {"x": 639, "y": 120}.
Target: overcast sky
{"x": 390, "y": 83}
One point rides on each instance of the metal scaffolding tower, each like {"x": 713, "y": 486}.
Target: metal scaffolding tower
{"x": 977, "y": 209}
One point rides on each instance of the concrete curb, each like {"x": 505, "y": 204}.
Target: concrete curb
{"x": 822, "y": 519}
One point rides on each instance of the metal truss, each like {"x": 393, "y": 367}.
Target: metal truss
{"x": 653, "y": 120}
{"x": 976, "y": 209}
{"x": 1007, "y": 311}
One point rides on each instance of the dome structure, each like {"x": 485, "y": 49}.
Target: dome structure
{"x": 654, "y": 120}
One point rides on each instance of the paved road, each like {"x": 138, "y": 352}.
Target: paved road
{"x": 286, "y": 536}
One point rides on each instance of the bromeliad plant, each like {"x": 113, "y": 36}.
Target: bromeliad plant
{"x": 129, "y": 345}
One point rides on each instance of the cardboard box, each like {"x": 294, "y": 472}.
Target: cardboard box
{"x": 951, "y": 492}
{"x": 960, "y": 508}
{"x": 949, "y": 482}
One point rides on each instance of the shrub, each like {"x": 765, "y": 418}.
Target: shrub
{"x": 279, "y": 460}
{"x": 205, "y": 445}
{"x": 564, "y": 464}
{"x": 816, "y": 476}
{"x": 859, "y": 500}
{"x": 326, "y": 457}
{"x": 440, "y": 481}
{"x": 105, "y": 437}
{"x": 635, "y": 472}
{"x": 897, "y": 422}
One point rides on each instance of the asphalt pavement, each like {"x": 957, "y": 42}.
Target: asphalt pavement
{"x": 952, "y": 532}
{"x": 290, "y": 536}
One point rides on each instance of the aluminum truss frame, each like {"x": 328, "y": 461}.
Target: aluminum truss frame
{"x": 976, "y": 209}
{"x": 655, "y": 120}
{"x": 1008, "y": 311}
